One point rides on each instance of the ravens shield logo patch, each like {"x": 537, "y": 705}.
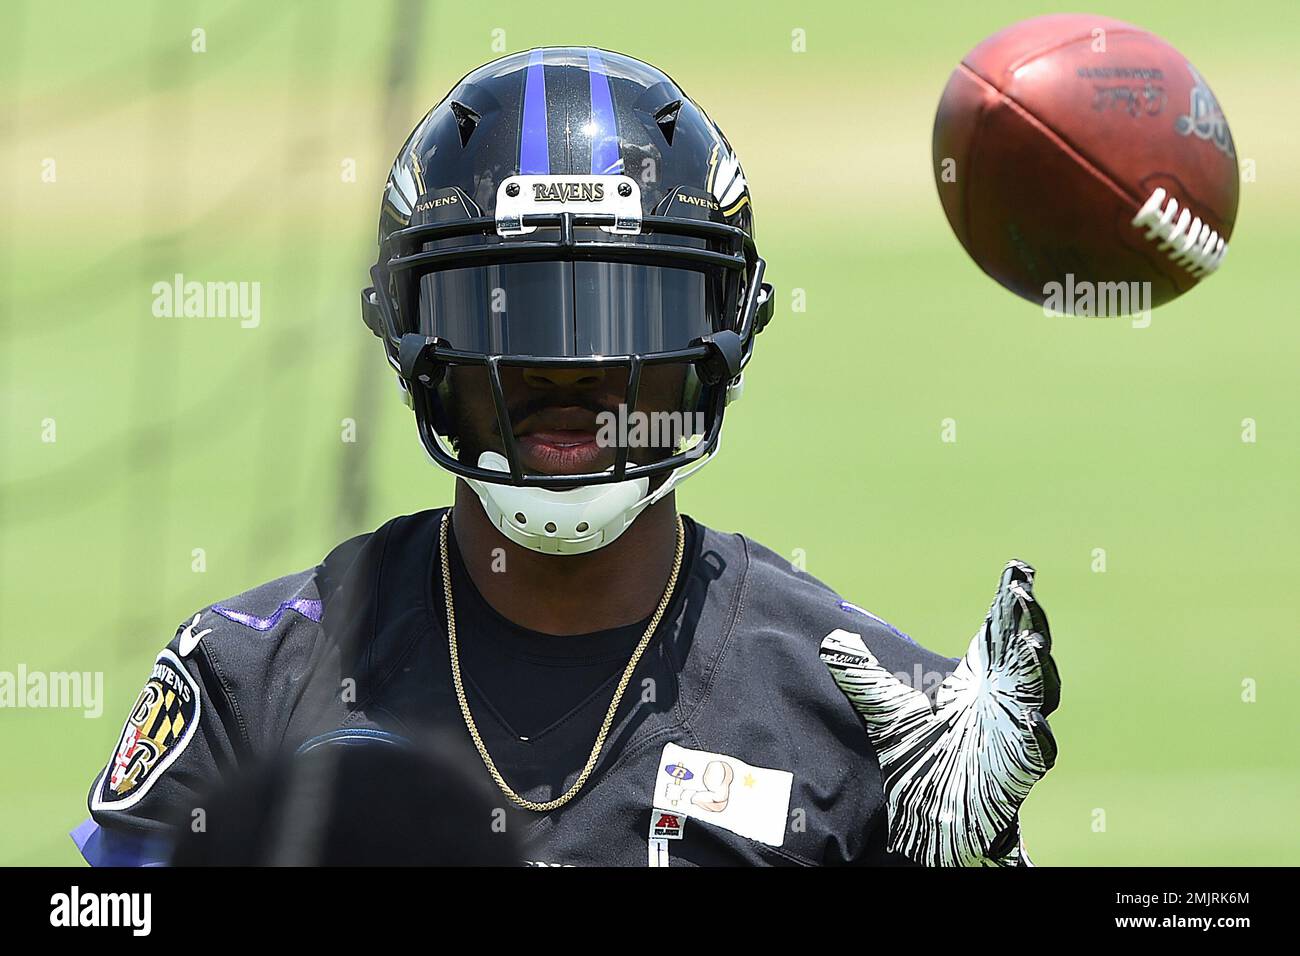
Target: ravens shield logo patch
{"x": 160, "y": 726}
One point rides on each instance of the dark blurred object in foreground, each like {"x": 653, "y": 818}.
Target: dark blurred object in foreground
{"x": 355, "y": 798}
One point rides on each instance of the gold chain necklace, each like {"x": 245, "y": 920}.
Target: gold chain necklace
{"x": 613, "y": 706}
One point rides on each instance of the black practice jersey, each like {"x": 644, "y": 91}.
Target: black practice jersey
{"x": 732, "y": 744}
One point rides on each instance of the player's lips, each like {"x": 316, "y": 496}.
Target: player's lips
{"x": 561, "y": 452}
{"x": 560, "y": 441}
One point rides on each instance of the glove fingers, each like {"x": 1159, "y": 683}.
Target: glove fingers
{"x": 1014, "y": 598}
{"x": 1022, "y": 571}
{"x": 1032, "y": 624}
{"x": 1031, "y": 616}
{"x": 1050, "y": 676}
{"x": 1043, "y": 738}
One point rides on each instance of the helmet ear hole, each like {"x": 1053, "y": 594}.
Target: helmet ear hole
{"x": 666, "y": 119}
{"x": 466, "y": 121}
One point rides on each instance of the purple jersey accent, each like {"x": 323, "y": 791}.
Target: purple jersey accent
{"x": 851, "y": 607}
{"x": 311, "y": 610}
{"x": 605, "y": 157}
{"x": 102, "y": 847}
{"x": 534, "y": 150}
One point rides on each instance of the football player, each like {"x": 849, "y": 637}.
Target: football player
{"x": 568, "y": 290}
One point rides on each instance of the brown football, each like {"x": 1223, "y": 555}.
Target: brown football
{"x": 1073, "y": 148}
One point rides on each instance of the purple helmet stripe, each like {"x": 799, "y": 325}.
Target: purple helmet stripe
{"x": 534, "y": 150}
{"x": 307, "y": 608}
{"x": 605, "y": 156}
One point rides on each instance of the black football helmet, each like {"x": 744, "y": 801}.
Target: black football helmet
{"x": 566, "y": 230}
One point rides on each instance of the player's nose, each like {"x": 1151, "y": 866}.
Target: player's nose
{"x": 560, "y": 377}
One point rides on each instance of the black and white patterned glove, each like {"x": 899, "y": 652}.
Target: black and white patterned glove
{"x": 956, "y": 774}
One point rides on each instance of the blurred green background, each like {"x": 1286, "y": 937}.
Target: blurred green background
{"x": 1072, "y": 435}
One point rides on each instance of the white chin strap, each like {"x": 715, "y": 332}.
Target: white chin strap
{"x": 574, "y": 521}
{"x": 578, "y": 520}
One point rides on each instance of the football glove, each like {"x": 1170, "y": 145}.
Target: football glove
{"x": 955, "y": 774}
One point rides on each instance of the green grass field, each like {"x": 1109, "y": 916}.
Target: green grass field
{"x": 181, "y": 434}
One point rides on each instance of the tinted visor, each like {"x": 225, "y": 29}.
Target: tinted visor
{"x": 564, "y": 309}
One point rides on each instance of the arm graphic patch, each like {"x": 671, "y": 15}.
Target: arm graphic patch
{"x": 159, "y": 728}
